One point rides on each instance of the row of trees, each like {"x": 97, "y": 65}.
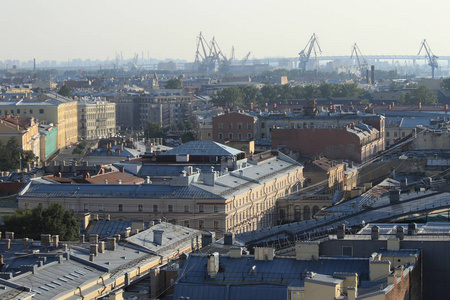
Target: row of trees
{"x": 155, "y": 130}
{"x": 420, "y": 95}
{"x": 244, "y": 95}
{"x": 31, "y": 223}
{"x": 12, "y": 156}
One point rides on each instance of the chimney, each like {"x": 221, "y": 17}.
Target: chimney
{"x": 412, "y": 229}
{"x": 208, "y": 238}
{"x": 111, "y": 244}
{"x": 9, "y": 235}
{"x": 106, "y": 181}
{"x": 394, "y": 196}
{"x": 400, "y": 234}
{"x": 46, "y": 239}
{"x": 372, "y": 75}
{"x": 340, "y": 231}
{"x": 101, "y": 247}
{"x": 55, "y": 241}
{"x": 119, "y": 181}
{"x": 94, "y": 249}
{"x": 158, "y": 237}
{"x": 7, "y": 244}
{"x": 25, "y": 243}
{"x": 91, "y": 257}
{"x": 264, "y": 253}
{"x": 93, "y": 238}
{"x": 213, "y": 264}
{"x": 236, "y": 252}
{"x": 117, "y": 236}
{"x": 182, "y": 260}
{"x": 375, "y": 233}
{"x": 147, "y": 180}
{"x": 108, "y": 217}
{"x": 82, "y": 238}
{"x": 229, "y": 238}
{"x": 122, "y": 169}
{"x": 307, "y": 250}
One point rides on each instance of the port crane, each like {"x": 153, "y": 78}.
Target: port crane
{"x": 305, "y": 54}
{"x": 204, "y": 56}
{"x": 362, "y": 62}
{"x": 432, "y": 59}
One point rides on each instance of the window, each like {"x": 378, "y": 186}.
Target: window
{"x": 249, "y": 125}
{"x": 86, "y": 206}
{"x": 221, "y": 136}
{"x": 155, "y": 208}
{"x": 201, "y": 208}
{"x": 262, "y": 125}
{"x": 41, "y": 110}
{"x": 186, "y": 223}
{"x": 220, "y": 125}
{"x": 347, "y": 251}
{"x": 18, "y": 111}
{"x": 239, "y": 125}
{"x": 387, "y": 133}
{"x": 395, "y": 134}
{"x": 216, "y": 224}
{"x": 186, "y": 208}
{"x": 239, "y": 136}
{"x": 170, "y": 208}
{"x": 230, "y": 125}
{"x": 249, "y": 136}
{"x": 216, "y": 208}
{"x": 71, "y": 206}
{"x": 31, "y": 111}
{"x": 201, "y": 224}
{"x": 120, "y": 206}
{"x": 230, "y": 136}
{"x": 140, "y": 207}
{"x": 100, "y": 207}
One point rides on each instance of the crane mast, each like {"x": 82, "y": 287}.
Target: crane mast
{"x": 362, "y": 62}
{"x": 305, "y": 54}
{"x": 432, "y": 59}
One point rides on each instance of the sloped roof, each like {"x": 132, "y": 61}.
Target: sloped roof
{"x": 203, "y": 148}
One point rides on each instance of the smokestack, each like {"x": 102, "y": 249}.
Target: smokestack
{"x": 34, "y": 65}
{"x": 367, "y": 77}
{"x": 372, "y": 71}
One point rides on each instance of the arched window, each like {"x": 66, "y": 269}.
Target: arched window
{"x": 306, "y": 213}
{"x": 315, "y": 210}
{"x": 297, "y": 213}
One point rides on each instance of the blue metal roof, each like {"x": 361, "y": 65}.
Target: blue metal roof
{"x": 243, "y": 278}
{"x": 202, "y": 148}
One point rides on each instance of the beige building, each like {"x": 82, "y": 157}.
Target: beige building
{"x": 47, "y": 109}
{"x": 239, "y": 198}
{"x": 96, "y": 119}
{"x": 24, "y": 130}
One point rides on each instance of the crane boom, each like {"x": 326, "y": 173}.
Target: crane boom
{"x": 432, "y": 59}
{"x": 305, "y": 54}
{"x": 362, "y": 62}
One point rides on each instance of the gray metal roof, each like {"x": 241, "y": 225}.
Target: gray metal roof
{"x": 202, "y": 148}
{"x": 145, "y": 191}
{"x": 242, "y": 278}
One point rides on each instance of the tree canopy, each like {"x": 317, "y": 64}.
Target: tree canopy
{"x": 243, "y": 96}
{"x": 174, "y": 83}
{"x": 445, "y": 84}
{"x": 31, "y": 223}
{"x": 65, "y": 91}
{"x": 13, "y": 157}
{"x": 154, "y": 130}
{"x": 420, "y": 95}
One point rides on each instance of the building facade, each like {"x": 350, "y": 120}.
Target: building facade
{"x": 96, "y": 119}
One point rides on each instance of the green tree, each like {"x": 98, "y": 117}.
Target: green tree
{"x": 187, "y": 137}
{"x": 154, "y": 130}
{"x": 423, "y": 95}
{"x": 53, "y": 220}
{"x": 65, "y": 91}
{"x": 231, "y": 96}
{"x": 445, "y": 84}
{"x": 174, "y": 83}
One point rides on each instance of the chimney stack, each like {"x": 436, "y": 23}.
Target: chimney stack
{"x": 340, "y": 231}
{"x": 158, "y": 237}
{"x": 111, "y": 244}
{"x": 7, "y": 244}
{"x": 101, "y": 247}
{"x": 94, "y": 249}
{"x": 375, "y": 234}
{"x": 55, "y": 241}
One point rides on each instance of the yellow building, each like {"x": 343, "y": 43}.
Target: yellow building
{"x": 24, "y": 130}
{"x": 48, "y": 109}
{"x": 97, "y": 119}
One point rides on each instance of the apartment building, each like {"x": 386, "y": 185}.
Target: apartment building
{"x": 48, "y": 109}
{"x": 23, "y": 129}
{"x": 96, "y": 119}
{"x": 240, "y": 196}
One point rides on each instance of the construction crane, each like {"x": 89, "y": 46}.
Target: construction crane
{"x": 362, "y": 62}
{"x": 432, "y": 59}
{"x": 204, "y": 57}
{"x": 244, "y": 60}
{"x": 305, "y": 54}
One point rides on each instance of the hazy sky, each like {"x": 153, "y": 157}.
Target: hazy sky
{"x": 63, "y": 29}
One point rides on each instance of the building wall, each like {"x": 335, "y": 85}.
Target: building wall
{"x": 330, "y": 142}
{"x": 233, "y": 126}
{"x": 48, "y": 143}
{"x": 302, "y": 208}
{"x": 429, "y": 140}
{"x": 96, "y": 119}
{"x": 249, "y": 210}
{"x": 28, "y": 139}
